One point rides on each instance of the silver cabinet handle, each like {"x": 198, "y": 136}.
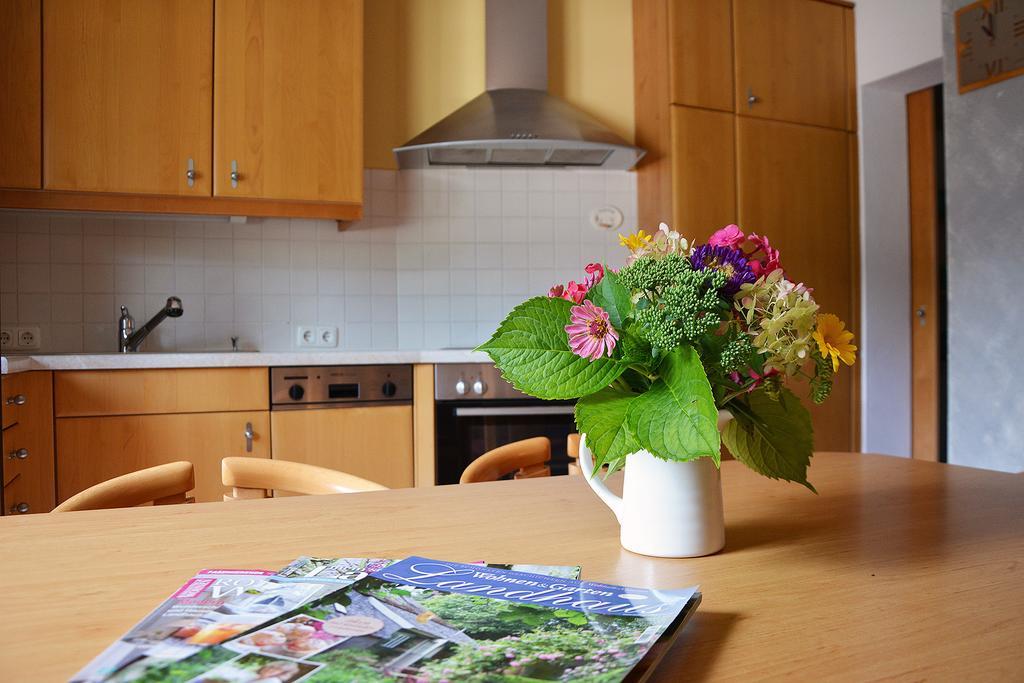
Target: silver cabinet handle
{"x": 19, "y": 454}
{"x": 752, "y": 99}
{"x": 16, "y": 400}
{"x": 19, "y": 508}
{"x": 191, "y": 174}
{"x": 249, "y": 435}
{"x": 235, "y": 175}
{"x": 511, "y": 412}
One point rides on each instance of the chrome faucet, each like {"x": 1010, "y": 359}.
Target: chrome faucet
{"x": 129, "y": 339}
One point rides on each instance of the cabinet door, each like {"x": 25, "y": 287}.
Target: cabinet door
{"x": 373, "y": 443}
{"x": 94, "y": 449}
{"x": 791, "y": 55}
{"x": 703, "y": 171}
{"x": 794, "y": 187}
{"x": 27, "y": 442}
{"x": 700, "y": 53}
{"x": 127, "y": 95}
{"x": 21, "y": 143}
{"x": 288, "y": 99}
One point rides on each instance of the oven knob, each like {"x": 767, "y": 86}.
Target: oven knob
{"x": 460, "y": 387}
{"x": 389, "y": 389}
{"x": 296, "y": 392}
{"x": 479, "y": 387}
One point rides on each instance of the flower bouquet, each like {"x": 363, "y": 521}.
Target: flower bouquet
{"x": 655, "y": 350}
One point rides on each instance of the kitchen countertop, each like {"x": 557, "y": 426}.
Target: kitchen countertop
{"x": 232, "y": 359}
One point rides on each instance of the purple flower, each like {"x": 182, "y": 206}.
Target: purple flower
{"x": 727, "y": 261}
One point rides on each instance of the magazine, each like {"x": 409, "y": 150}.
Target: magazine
{"x": 428, "y": 620}
{"x": 217, "y": 604}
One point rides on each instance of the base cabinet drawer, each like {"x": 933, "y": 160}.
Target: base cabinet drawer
{"x": 27, "y": 442}
{"x": 373, "y": 443}
{"x": 94, "y": 449}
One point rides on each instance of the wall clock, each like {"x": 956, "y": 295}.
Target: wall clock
{"x": 989, "y": 42}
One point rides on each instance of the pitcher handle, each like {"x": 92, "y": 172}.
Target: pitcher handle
{"x": 600, "y": 488}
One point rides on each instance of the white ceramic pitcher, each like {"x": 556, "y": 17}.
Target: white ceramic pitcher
{"x": 667, "y": 509}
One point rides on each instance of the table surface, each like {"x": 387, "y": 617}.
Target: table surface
{"x": 899, "y": 568}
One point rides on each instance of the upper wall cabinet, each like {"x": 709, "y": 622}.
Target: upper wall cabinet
{"x": 288, "y": 99}
{"x": 20, "y": 145}
{"x": 700, "y": 53}
{"x": 127, "y": 94}
{"x": 792, "y": 61}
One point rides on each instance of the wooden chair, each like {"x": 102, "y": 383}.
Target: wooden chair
{"x": 260, "y": 477}
{"x": 527, "y": 459}
{"x": 161, "y": 485}
{"x": 572, "y": 448}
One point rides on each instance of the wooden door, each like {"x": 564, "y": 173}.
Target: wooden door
{"x": 791, "y": 56}
{"x": 27, "y": 442}
{"x": 21, "y": 129}
{"x": 288, "y": 99}
{"x": 794, "y": 186}
{"x": 127, "y": 95}
{"x": 926, "y": 259}
{"x": 703, "y": 171}
{"x": 94, "y": 449}
{"x": 700, "y": 53}
{"x": 373, "y": 443}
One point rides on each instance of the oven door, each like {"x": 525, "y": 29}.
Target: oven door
{"x": 467, "y": 429}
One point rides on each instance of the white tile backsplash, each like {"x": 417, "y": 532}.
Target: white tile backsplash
{"x": 438, "y": 260}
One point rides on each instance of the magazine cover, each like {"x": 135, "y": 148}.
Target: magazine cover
{"x": 345, "y": 570}
{"x": 426, "y": 621}
{"x": 217, "y": 604}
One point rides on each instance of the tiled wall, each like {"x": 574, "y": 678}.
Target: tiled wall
{"x": 439, "y": 259}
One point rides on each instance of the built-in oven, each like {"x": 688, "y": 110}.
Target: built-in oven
{"x": 476, "y": 410}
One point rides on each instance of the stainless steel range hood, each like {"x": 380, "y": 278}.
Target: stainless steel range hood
{"x": 515, "y": 122}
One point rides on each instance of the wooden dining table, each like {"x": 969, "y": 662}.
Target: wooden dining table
{"x": 898, "y": 569}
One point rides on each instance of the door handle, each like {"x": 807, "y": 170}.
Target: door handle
{"x": 16, "y": 400}
{"x": 235, "y": 175}
{"x": 18, "y": 454}
{"x": 249, "y": 435}
{"x": 752, "y": 99}
{"x": 922, "y": 315}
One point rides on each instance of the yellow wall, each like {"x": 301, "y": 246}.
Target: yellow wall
{"x": 425, "y": 58}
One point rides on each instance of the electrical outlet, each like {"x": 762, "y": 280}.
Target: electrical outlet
{"x": 327, "y": 337}
{"x": 7, "y": 338}
{"x": 305, "y": 336}
{"x": 28, "y": 338}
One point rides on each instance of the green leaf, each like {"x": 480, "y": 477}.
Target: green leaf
{"x": 532, "y": 351}
{"x": 602, "y": 417}
{"x": 773, "y": 438}
{"x": 676, "y": 418}
{"x": 613, "y": 297}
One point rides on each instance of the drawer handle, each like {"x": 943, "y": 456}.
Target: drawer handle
{"x": 19, "y": 454}
{"x": 249, "y": 435}
{"x": 16, "y": 400}
{"x": 19, "y": 508}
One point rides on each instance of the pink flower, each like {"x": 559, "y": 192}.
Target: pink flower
{"x": 770, "y": 256}
{"x": 595, "y": 271}
{"x": 730, "y": 236}
{"x": 591, "y": 335}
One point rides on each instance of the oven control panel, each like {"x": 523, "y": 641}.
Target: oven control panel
{"x": 471, "y": 382}
{"x": 320, "y": 385}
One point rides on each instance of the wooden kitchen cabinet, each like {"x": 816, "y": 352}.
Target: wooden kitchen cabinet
{"x": 288, "y": 95}
{"x": 20, "y": 85}
{"x": 27, "y": 442}
{"x": 127, "y": 96}
{"x": 703, "y": 170}
{"x": 94, "y": 449}
{"x": 791, "y": 55}
{"x": 701, "y": 54}
{"x": 111, "y": 422}
{"x": 375, "y": 443}
{"x": 806, "y": 211}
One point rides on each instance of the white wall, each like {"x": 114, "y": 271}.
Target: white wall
{"x": 899, "y": 50}
{"x": 439, "y": 259}
{"x": 985, "y": 239}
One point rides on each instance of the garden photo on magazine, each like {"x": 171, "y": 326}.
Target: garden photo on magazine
{"x": 428, "y": 621}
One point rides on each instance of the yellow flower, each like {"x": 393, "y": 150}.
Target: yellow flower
{"x": 635, "y": 242}
{"x": 834, "y": 340}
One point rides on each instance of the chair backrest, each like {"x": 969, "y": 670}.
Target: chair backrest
{"x": 160, "y": 485}
{"x": 259, "y": 477}
{"x": 527, "y": 459}
{"x": 572, "y": 449}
